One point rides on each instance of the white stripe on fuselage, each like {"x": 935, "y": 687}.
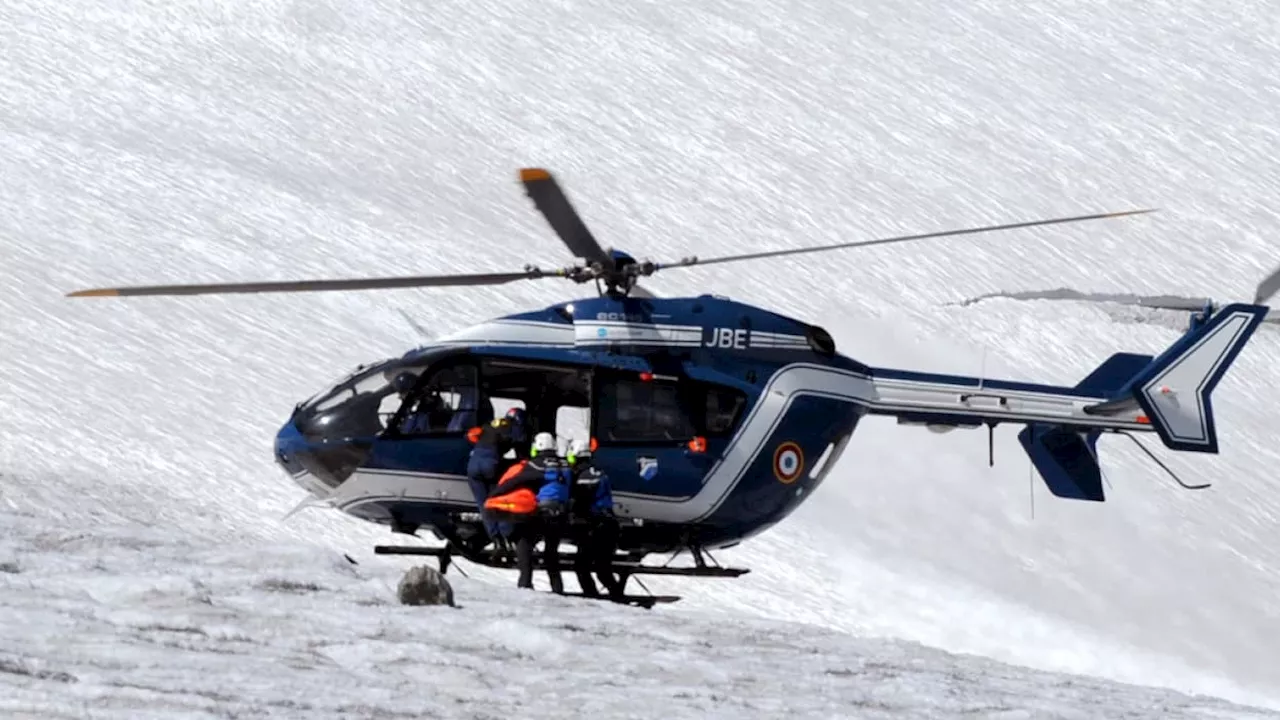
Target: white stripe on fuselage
{"x": 791, "y": 382}
{"x": 586, "y": 333}
{"x": 506, "y": 332}
{"x": 369, "y": 485}
{"x": 878, "y": 396}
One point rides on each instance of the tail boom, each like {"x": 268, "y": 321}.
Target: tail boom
{"x": 957, "y": 401}
{"x": 1168, "y": 394}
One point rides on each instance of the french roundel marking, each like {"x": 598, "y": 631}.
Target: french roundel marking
{"x": 788, "y": 462}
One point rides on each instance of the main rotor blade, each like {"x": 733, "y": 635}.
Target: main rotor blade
{"x": 690, "y": 261}
{"x": 541, "y": 187}
{"x": 640, "y": 291}
{"x": 1165, "y": 302}
{"x": 1267, "y": 287}
{"x": 321, "y": 285}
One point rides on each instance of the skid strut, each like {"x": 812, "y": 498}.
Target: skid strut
{"x": 491, "y": 559}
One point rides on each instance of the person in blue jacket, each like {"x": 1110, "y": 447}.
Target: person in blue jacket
{"x": 487, "y": 462}
{"x": 553, "y": 507}
{"x": 530, "y": 503}
{"x": 596, "y": 526}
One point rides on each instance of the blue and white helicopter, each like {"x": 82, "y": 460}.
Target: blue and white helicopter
{"x": 714, "y": 419}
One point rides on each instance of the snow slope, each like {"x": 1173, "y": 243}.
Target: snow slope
{"x": 136, "y": 622}
{"x": 143, "y": 142}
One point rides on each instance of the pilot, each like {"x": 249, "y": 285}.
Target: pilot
{"x": 419, "y": 420}
{"x": 522, "y": 509}
{"x": 595, "y": 526}
{"x": 492, "y": 442}
{"x": 430, "y": 414}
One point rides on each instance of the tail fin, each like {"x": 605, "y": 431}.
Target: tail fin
{"x": 1174, "y": 390}
{"x": 1111, "y": 376}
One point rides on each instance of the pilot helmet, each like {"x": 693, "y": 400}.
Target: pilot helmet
{"x": 404, "y": 382}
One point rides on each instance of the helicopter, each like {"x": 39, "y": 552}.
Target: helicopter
{"x": 714, "y": 419}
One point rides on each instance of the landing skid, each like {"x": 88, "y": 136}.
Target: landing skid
{"x": 494, "y": 559}
{"x": 622, "y": 568}
{"x": 644, "y": 601}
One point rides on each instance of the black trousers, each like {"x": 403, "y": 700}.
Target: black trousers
{"x": 525, "y": 535}
{"x": 597, "y": 541}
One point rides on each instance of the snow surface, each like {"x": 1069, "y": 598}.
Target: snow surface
{"x": 136, "y": 622}
{"x": 143, "y": 142}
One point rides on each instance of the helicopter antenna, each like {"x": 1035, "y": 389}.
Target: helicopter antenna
{"x": 615, "y": 273}
{"x": 1031, "y": 489}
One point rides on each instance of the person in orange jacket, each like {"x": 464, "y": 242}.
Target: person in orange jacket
{"x": 513, "y": 505}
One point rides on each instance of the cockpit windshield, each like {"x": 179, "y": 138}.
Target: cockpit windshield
{"x": 393, "y": 395}
{"x": 356, "y": 406}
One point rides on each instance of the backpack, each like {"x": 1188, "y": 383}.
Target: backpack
{"x": 553, "y": 496}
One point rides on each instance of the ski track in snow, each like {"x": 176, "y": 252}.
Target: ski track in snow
{"x": 147, "y": 143}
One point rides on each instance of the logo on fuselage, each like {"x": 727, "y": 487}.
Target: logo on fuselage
{"x": 647, "y": 466}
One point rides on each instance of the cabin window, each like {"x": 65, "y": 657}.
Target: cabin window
{"x": 638, "y": 411}
{"x": 448, "y": 403}
{"x": 724, "y": 405}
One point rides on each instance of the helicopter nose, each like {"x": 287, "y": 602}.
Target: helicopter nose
{"x": 317, "y": 466}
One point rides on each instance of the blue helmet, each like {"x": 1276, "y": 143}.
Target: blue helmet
{"x": 519, "y": 420}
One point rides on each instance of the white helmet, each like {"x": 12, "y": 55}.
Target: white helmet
{"x": 578, "y": 449}
{"x": 543, "y": 442}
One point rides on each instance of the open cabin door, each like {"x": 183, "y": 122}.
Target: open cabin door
{"x": 555, "y": 396}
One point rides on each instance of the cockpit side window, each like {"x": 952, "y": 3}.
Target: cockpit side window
{"x": 447, "y": 402}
